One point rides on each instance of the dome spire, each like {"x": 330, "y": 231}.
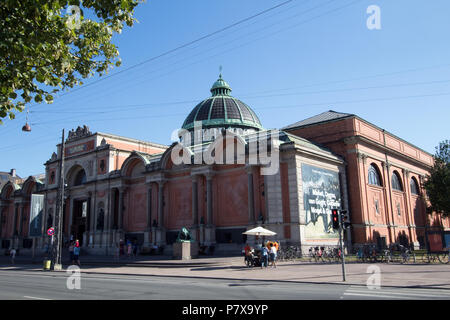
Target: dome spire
{"x": 223, "y": 111}
{"x": 220, "y": 87}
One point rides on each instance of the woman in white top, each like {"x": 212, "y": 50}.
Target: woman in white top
{"x": 273, "y": 255}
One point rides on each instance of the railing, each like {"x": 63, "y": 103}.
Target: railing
{"x": 365, "y": 253}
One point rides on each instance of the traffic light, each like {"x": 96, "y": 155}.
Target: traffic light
{"x": 335, "y": 218}
{"x": 345, "y": 219}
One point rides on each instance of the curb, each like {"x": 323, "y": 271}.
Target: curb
{"x": 239, "y": 279}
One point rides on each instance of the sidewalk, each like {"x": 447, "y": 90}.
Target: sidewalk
{"x": 139, "y": 261}
{"x": 396, "y": 275}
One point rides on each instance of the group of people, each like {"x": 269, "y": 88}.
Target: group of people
{"x": 74, "y": 252}
{"x": 130, "y": 249}
{"x": 265, "y": 253}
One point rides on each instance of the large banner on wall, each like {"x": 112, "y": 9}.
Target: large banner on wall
{"x": 36, "y": 215}
{"x": 321, "y": 193}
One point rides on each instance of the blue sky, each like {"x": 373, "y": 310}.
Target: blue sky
{"x": 293, "y": 62}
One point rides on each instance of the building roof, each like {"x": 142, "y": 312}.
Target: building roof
{"x": 332, "y": 116}
{"x": 323, "y": 117}
{"x": 282, "y": 136}
{"x": 11, "y": 176}
{"x": 222, "y": 110}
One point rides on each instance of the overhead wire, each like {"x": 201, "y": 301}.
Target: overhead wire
{"x": 331, "y": 82}
{"x": 133, "y": 80}
{"x": 329, "y": 103}
{"x": 202, "y": 60}
{"x": 247, "y": 43}
{"x": 134, "y": 66}
{"x": 128, "y": 107}
{"x": 261, "y": 13}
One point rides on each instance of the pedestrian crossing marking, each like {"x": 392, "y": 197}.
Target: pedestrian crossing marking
{"x": 398, "y": 293}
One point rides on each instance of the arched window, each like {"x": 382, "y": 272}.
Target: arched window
{"x": 414, "y": 186}
{"x": 395, "y": 181}
{"x": 80, "y": 178}
{"x": 374, "y": 176}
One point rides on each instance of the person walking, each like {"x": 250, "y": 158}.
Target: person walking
{"x": 135, "y": 249}
{"x": 71, "y": 246}
{"x": 76, "y": 253}
{"x": 129, "y": 249}
{"x": 264, "y": 257}
{"x": 12, "y": 253}
{"x": 273, "y": 255}
{"x": 247, "y": 254}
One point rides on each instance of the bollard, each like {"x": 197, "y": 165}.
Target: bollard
{"x": 47, "y": 264}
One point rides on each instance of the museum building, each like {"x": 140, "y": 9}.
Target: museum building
{"x": 285, "y": 180}
{"x": 385, "y": 176}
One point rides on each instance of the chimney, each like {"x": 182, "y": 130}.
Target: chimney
{"x": 13, "y": 173}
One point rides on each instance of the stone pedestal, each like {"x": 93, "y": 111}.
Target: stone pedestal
{"x": 185, "y": 250}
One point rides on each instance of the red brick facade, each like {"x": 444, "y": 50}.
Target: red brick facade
{"x": 379, "y": 213}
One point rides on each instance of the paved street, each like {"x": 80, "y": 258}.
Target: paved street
{"x": 224, "y": 278}
{"x": 38, "y": 285}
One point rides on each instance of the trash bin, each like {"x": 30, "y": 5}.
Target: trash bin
{"x": 47, "y": 264}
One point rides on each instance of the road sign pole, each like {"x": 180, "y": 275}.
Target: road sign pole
{"x": 342, "y": 247}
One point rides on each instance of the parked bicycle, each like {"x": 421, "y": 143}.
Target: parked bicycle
{"x": 386, "y": 256}
{"x": 435, "y": 257}
{"x": 332, "y": 254}
{"x": 445, "y": 257}
{"x": 289, "y": 253}
{"x": 315, "y": 254}
{"x": 405, "y": 253}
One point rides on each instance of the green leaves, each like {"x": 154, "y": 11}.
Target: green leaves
{"x": 38, "y": 98}
{"x": 41, "y": 53}
{"x": 437, "y": 183}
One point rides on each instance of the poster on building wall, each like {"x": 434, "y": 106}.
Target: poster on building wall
{"x": 321, "y": 193}
{"x": 36, "y": 215}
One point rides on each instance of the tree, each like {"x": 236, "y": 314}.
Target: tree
{"x": 49, "y": 45}
{"x": 437, "y": 183}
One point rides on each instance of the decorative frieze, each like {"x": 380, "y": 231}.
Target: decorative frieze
{"x": 80, "y": 132}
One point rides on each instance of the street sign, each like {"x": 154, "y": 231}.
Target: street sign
{"x": 51, "y": 231}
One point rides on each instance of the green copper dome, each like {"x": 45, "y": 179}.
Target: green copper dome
{"x": 222, "y": 110}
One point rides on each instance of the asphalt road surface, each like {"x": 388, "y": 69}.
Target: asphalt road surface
{"x": 40, "y": 285}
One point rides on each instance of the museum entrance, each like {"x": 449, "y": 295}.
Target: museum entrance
{"x": 79, "y": 220}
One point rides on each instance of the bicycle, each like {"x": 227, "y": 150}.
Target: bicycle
{"x": 290, "y": 253}
{"x": 430, "y": 257}
{"x": 281, "y": 255}
{"x": 435, "y": 257}
{"x": 326, "y": 254}
{"x": 337, "y": 254}
{"x": 360, "y": 255}
{"x": 386, "y": 256}
{"x": 316, "y": 254}
{"x": 444, "y": 257}
{"x": 312, "y": 255}
{"x": 406, "y": 254}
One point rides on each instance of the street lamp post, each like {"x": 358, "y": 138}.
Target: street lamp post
{"x": 59, "y": 212}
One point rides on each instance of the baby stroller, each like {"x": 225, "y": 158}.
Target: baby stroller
{"x": 253, "y": 260}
